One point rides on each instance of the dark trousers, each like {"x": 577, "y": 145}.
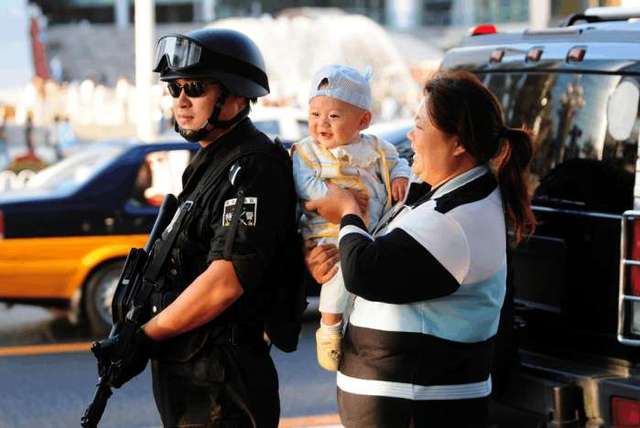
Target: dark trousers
{"x": 365, "y": 411}
{"x": 223, "y": 386}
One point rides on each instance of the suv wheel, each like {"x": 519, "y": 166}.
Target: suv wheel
{"x": 99, "y": 294}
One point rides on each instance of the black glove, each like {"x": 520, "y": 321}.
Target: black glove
{"x": 133, "y": 360}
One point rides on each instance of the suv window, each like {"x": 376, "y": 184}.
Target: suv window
{"x": 577, "y": 163}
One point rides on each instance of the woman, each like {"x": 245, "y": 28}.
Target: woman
{"x": 431, "y": 281}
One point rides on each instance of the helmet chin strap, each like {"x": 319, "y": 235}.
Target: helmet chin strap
{"x": 213, "y": 122}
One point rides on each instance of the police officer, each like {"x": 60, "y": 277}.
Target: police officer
{"x": 210, "y": 362}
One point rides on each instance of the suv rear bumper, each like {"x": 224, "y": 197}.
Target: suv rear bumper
{"x": 561, "y": 390}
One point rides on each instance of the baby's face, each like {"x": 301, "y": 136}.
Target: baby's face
{"x": 335, "y": 123}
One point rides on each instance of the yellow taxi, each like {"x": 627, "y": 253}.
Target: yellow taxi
{"x": 64, "y": 238}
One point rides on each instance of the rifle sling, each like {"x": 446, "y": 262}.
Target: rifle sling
{"x": 163, "y": 247}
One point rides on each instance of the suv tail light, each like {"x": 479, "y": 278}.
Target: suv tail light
{"x": 634, "y": 288}
{"x": 629, "y": 287}
{"x": 625, "y": 413}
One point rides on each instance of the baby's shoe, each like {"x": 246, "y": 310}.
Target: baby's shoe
{"x": 328, "y": 348}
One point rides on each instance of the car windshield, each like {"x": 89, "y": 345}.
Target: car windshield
{"x": 76, "y": 170}
{"x": 567, "y": 114}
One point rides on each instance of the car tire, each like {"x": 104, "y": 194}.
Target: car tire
{"x": 99, "y": 293}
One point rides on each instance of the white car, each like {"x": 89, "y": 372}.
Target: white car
{"x": 395, "y": 132}
{"x": 287, "y": 123}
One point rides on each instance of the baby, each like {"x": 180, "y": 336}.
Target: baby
{"x": 337, "y": 152}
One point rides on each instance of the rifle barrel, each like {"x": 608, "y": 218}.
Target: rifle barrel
{"x": 167, "y": 210}
{"x": 94, "y": 412}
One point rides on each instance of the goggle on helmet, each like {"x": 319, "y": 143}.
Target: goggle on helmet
{"x": 181, "y": 56}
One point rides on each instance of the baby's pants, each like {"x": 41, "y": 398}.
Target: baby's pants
{"x": 334, "y": 297}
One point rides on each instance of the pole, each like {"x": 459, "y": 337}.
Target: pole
{"x": 122, "y": 14}
{"x": 403, "y": 14}
{"x": 204, "y": 11}
{"x": 144, "y": 36}
{"x": 208, "y": 10}
{"x": 539, "y": 14}
{"x": 463, "y": 13}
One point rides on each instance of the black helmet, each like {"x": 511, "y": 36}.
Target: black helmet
{"x": 227, "y": 56}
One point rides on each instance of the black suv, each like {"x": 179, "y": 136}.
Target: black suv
{"x": 577, "y": 88}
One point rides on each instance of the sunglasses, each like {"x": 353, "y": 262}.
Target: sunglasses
{"x": 191, "y": 89}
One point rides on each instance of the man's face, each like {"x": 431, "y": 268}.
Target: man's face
{"x": 193, "y": 112}
{"x": 334, "y": 123}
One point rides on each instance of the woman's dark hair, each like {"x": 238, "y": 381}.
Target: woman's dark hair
{"x": 459, "y": 104}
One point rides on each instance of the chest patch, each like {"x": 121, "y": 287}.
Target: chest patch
{"x": 248, "y": 215}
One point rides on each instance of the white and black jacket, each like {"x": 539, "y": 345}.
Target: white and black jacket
{"x": 429, "y": 290}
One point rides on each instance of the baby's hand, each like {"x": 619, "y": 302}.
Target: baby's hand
{"x": 399, "y": 188}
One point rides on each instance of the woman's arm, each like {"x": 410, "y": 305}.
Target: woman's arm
{"x": 394, "y": 268}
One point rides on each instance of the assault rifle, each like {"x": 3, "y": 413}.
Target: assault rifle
{"x": 130, "y": 311}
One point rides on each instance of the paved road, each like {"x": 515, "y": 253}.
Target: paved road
{"x": 51, "y": 390}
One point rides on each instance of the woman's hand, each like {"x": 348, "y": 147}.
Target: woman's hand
{"x": 321, "y": 260}
{"x": 362, "y": 198}
{"x": 337, "y": 203}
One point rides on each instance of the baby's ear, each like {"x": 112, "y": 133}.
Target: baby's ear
{"x": 365, "y": 120}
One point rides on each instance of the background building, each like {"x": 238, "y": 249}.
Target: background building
{"x": 406, "y": 14}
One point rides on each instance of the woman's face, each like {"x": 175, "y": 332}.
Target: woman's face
{"x": 436, "y": 153}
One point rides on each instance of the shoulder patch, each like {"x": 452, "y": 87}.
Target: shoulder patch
{"x": 249, "y": 213}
